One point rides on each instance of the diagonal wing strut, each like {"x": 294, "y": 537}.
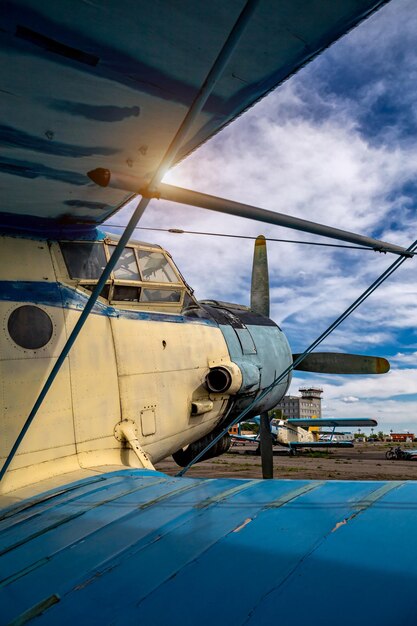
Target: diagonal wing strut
{"x": 105, "y": 178}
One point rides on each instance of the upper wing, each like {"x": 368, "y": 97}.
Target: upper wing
{"x": 333, "y": 421}
{"x": 91, "y": 84}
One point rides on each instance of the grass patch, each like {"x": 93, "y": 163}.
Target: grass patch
{"x": 246, "y": 466}
{"x": 318, "y": 454}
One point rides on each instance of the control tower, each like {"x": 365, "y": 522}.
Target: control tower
{"x": 308, "y": 405}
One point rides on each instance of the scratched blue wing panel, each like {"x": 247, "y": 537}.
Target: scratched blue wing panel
{"x": 139, "y": 547}
{"x": 107, "y": 84}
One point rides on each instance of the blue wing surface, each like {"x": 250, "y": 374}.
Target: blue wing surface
{"x": 333, "y": 421}
{"x": 137, "y": 546}
{"x": 91, "y": 84}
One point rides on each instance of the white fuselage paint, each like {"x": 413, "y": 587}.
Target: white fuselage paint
{"x": 134, "y": 361}
{"x": 286, "y": 434}
{"x": 148, "y": 371}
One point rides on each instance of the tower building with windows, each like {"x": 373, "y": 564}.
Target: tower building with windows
{"x": 306, "y": 405}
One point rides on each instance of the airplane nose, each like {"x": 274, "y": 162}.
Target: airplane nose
{"x": 260, "y": 350}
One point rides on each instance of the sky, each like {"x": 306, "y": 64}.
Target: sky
{"x": 336, "y": 144}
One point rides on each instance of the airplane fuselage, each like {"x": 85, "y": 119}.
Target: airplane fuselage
{"x": 149, "y": 355}
{"x": 285, "y": 434}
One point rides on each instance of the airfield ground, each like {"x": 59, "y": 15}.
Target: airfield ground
{"x": 365, "y": 461}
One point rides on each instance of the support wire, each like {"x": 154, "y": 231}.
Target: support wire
{"x": 180, "y": 231}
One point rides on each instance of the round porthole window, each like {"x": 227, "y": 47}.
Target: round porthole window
{"x": 30, "y": 327}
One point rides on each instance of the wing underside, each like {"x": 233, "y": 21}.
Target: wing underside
{"x": 90, "y": 84}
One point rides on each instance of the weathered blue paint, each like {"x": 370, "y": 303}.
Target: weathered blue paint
{"x": 151, "y": 58}
{"x": 31, "y": 226}
{"x": 99, "y": 112}
{"x": 33, "y": 169}
{"x": 260, "y": 367}
{"x": 15, "y": 138}
{"x": 141, "y": 547}
{"x": 85, "y": 204}
{"x": 62, "y": 296}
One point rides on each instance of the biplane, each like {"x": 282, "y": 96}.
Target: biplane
{"x": 297, "y": 433}
{"x": 109, "y": 363}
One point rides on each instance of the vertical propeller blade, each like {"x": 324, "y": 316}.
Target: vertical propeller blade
{"x": 259, "y": 293}
{"x": 259, "y": 303}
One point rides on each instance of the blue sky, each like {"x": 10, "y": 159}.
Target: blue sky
{"x": 337, "y": 144}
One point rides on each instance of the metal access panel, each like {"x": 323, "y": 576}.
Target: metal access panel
{"x": 246, "y": 341}
{"x": 148, "y": 421}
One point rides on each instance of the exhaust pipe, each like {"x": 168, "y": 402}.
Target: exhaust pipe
{"x": 218, "y": 380}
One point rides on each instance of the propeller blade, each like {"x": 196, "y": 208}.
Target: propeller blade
{"x": 259, "y": 294}
{"x": 339, "y": 363}
{"x": 267, "y": 454}
{"x": 259, "y": 303}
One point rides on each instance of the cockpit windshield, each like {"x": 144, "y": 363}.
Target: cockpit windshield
{"x": 141, "y": 275}
{"x": 84, "y": 260}
{"x": 154, "y": 267}
{"x": 126, "y": 267}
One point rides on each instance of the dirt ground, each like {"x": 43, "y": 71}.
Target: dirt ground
{"x": 366, "y": 461}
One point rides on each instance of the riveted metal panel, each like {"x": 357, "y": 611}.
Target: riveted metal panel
{"x": 141, "y": 546}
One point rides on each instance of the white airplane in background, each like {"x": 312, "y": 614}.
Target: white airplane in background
{"x": 297, "y": 433}
{"x": 108, "y": 363}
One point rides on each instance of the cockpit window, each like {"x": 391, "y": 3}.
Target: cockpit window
{"x": 141, "y": 275}
{"x": 125, "y": 293}
{"x": 160, "y": 295}
{"x": 154, "y": 267}
{"x": 126, "y": 267}
{"x": 84, "y": 260}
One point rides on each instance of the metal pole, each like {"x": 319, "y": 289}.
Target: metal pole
{"x": 267, "y": 454}
{"x": 197, "y": 105}
{"x": 162, "y": 191}
{"x": 221, "y": 205}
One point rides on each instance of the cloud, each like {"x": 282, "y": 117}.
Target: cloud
{"x": 336, "y": 144}
{"x": 350, "y": 399}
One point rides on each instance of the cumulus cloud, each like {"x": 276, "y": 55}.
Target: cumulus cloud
{"x": 336, "y": 144}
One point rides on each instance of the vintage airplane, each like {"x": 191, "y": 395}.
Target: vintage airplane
{"x": 107, "y": 361}
{"x": 297, "y": 433}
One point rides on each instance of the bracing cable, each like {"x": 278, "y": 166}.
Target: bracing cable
{"x": 180, "y": 231}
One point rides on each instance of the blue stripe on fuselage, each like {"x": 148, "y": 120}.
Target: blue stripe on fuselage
{"x": 62, "y": 296}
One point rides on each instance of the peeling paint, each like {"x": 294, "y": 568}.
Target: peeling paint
{"x": 101, "y": 113}
{"x": 245, "y": 523}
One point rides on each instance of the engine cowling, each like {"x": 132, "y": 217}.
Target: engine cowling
{"x": 259, "y": 348}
